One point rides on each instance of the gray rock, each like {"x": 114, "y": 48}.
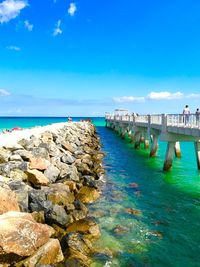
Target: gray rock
{"x": 37, "y": 199}
{"x": 22, "y": 191}
{"x": 15, "y": 158}
{"x": 68, "y": 158}
{"x": 13, "y": 147}
{"x": 52, "y": 173}
{"x": 57, "y": 215}
{"x": 40, "y": 152}
{"x": 24, "y": 154}
{"x": 89, "y": 181}
{"x": 6, "y": 168}
{"x": 64, "y": 169}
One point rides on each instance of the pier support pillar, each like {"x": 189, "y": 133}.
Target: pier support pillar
{"x": 197, "y": 152}
{"x": 169, "y": 156}
{"x": 177, "y": 150}
{"x": 123, "y": 133}
{"x": 146, "y": 144}
{"x": 132, "y": 138}
{"x": 154, "y": 146}
{"x": 146, "y": 141}
{"x": 137, "y": 139}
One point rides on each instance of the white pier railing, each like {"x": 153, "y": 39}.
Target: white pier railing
{"x": 177, "y": 120}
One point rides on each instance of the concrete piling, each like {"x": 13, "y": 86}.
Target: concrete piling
{"x": 169, "y": 156}
{"x": 197, "y": 153}
{"x": 154, "y": 146}
{"x": 177, "y": 150}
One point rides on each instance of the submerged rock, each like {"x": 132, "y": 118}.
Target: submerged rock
{"x": 85, "y": 226}
{"x": 133, "y": 185}
{"x": 118, "y": 229}
{"x": 133, "y": 211}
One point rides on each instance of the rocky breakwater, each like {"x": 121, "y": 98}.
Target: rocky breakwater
{"x": 46, "y": 182}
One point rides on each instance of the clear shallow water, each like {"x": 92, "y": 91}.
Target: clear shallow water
{"x": 166, "y": 231}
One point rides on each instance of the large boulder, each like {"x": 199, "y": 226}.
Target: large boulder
{"x": 57, "y": 215}
{"x": 21, "y": 236}
{"x": 41, "y": 152}
{"x": 24, "y": 154}
{"x": 78, "y": 248}
{"x": 4, "y": 155}
{"x": 13, "y": 147}
{"x": 61, "y": 197}
{"x": 36, "y": 177}
{"x": 6, "y": 168}
{"x": 47, "y": 137}
{"x": 68, "y": 158}
{"x": 68, "y": 146}
{"x": 8, "y": 200}
{"x": 52, "y": 173}
{"x": 22, "y": 192}
{"x": 49, "y": 253}
{"x": 87, "y": 194}
{"x": 38, "y": 163}
{"x": 18, "y": 174}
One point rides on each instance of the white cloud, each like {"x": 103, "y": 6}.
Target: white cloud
{"x": 10, "y": 9}
{"x": 14, "y": 48}
{"x": 164, "y": 95}
{"x": 28, "y": 25}
{"x": 72, "y": 9}
{"x": 128, "y": 99}
{"x": 4, "y": 92}
{"x": 193, "y": 96}
{"x": 57, "y": 29}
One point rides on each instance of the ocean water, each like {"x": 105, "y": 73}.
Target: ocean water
{"x": 164, "y": 231}
{"x": 27, "y": 122}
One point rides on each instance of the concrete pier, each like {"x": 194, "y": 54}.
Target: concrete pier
{"x": 168, "y": 128}
{"x": 169, "y": 156}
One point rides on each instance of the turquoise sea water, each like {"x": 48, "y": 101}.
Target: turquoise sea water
{"x": 27, "y": 122}
{"x": 165, "y": 232}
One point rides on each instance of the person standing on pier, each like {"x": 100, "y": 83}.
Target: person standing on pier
{"x": 186, "y": 114}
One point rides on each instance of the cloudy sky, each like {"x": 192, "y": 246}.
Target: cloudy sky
{"x": 62, "y": 57}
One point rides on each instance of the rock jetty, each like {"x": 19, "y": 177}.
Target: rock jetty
{"x": 48, "y": 175}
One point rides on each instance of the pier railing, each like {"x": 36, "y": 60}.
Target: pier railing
{"x": 177, "y": 120}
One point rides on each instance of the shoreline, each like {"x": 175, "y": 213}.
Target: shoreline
{"x": 48, "y": 176}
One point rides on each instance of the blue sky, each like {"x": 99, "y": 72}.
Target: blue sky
{"x": 63, "y": 57}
